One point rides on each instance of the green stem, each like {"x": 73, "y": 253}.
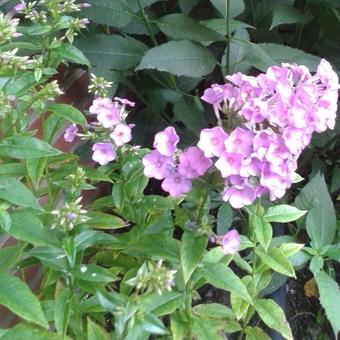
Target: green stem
{"x": 228, "y": 36}
{"x": 188, "y": 313}
{"x": 201, "y": 208}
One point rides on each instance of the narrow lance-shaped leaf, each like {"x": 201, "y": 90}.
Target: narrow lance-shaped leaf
{"x": 191, "y": 252}
{"x": 283, "y": 213}
{"x": 62, "y": 311}
{"x": 25, "y": 147}
{"x": 273, "y": 316}
{"x": 263, "y": 231}
{"x": 68, "y": 112}
{"x": 16, "y": 296}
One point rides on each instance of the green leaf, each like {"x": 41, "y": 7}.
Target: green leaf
{"x": 13, "y": 191}
{"x": 27, "y": 227}
{"x": 273, "y": 316}
{"x": 13, "y": 169}
{"x": 222, "y": 277}
{"x": 321, "y": 218}
{"x": 5, "y": 220}
{"x": 96, "y": 332}
{"x": 163, "y": 304}
{"x": 263, "y": 231}
{"x": 62, "y": 311}
{"x": 256, "y": 333}
{"x": 224, "y": 218}
{"x": 68, "y": 112}
{"x": 23, "y": 331}
{"x": 72, "y": 53}
{"x": 283, "y": 213}
{"x": 220, "y": 27}
{"x": 286, "y": 14}
{"x": 93, "y": 273}
{"x": 330, "y": 299}
{"x": 16, "y": 296}
{"x": 265, "y": 55}
{"x": 182, "y": 58}
{"x": 35, "y": 169}
{"x": 191, "y": 252}
{"x": 206, "y": 328}
{"x": 116, "y": 13}
{"x": 187, "y": 5}
{"x": 290, "y": 249}
{"x": 236, "y": 7}
{"x": 181, "y": 27}
{"x": 275, "y": 260}
{"x": 51, "y": 126}
{"x": 186, "y": 112}
{"x": 101, "y": 220}
{"x": 24, "y": 147}
{"x": 9, "y": 256}
{"x": 178, "y": 327}
{"x": 112, "y": 51}
{"x": 214, "y": 311}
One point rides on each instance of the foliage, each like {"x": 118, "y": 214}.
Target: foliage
{"x": 134, "y": 264}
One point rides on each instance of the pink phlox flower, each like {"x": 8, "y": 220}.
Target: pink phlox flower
{"x": 103, "y": 153}
{"x": 193, "y": 163}
{"x": 229, "y": 164}
{"x": 121, "y": 134}
{"x": 100, "y": 104}
{"x": 239, "y": 141}
{"x": 157, "y": 165}
{"x": 239, "y": 196}
{"x": 125, "y": 101}
{"x": 230, "y": 242}
{"x": 176, "y": 184}
{"x": 166, "y": 141}
{"x": 109, "y": 117}
{"x": 70, "y": 133}
{"x": 212, "y": 141}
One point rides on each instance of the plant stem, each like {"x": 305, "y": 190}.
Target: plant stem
{"x": 188, "y": 313}
{"x": 228, "y": 36}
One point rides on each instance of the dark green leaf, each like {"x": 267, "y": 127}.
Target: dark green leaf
{"x": 113, "y": 51}
{"x": 182, "y": 58}
{"x": 96, "y": 332}
{"x": 224, "y": 218}
{"x": 9, "y": 256}
{"x": 93, "y": 273}
{"x": 13, "y": 169}
{"x": 236, "y": 7}
{"x": 286, "y": 14}
{"x": 101, "y": 220}
{"x": 35, "y": 169}
{"x": 181, "y": 27}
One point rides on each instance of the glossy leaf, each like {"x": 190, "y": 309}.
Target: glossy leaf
{"x": 71, "y": 53}
{"x": 286, "y": 14}
{"x": 273, "y": 316}
{"x": 222, "y": 277}
{"x": 96, "y": 332}
{"x": 283, "y": 213}
{"x": 275, "y": 260}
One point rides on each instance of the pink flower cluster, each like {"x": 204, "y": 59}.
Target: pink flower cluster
{"x": 279, "y": 111}
{"x": 177, "y": 170}
{"x": 111, "y": 116}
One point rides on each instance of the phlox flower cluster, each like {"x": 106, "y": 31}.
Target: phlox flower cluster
{"x": 176, "y": 169}
{"x": 111, "y": 131}
{"x": 279, "y": 111}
